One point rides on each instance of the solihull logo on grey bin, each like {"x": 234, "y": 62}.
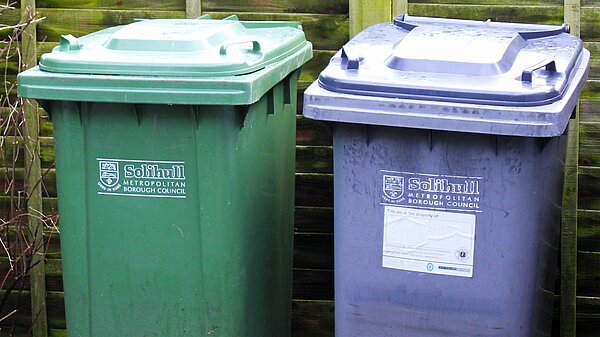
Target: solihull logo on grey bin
{"x": 393, "y": 186}
{"x": 432, "y": 191}
{"x": 141, "y": 178}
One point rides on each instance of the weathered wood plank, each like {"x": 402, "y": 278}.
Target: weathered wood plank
{"x": 590, "y": 110}
{"x": 588, "y": 325}
{"x": 8, "y": 115}
{"x": 9, "y": 17}
{"x": 589, "y": 149}
{"x": 6, "y": 152}
{"x": 588, "y": 230}
{"x": 309, "y": 317}
{"x": 275, "y": 6}
{"x": 314, "y": 159}
{"x": 49, "y": 205}
{"x": 594, "y": 48}
{"x": 492, "y": 2}
{"x": 174, "y": 5}
{"x": 588, "y": 274}
{"x": 80, "y": 22}
{"x": 589, "y": 305}
{"x": 591, "y": 90}
{"x": 590, "y": 29}
{"x": 312, "y": 318}
{"x": 588, "y": 317}
{"x": 10, "y": 66}
{"x": 313, "y": 219}
{"x": 54, "y": 282}
{"x": 589, "y": 188}
{"x": 312, "y": 69}
{"x": 312, "y": 284}
{"x": 24, "y": 331}
{"x": 313, "y": 132}
{"x": 10, "y": 82}
{"x": 52, "y": 244}
{"x": 48, "y": 181}
{"x": 507, "y": 13}
{"x": 21, "y": 301}
{"x": 314, "y": 190}
{"x": 313, "y": 251}
{"x": 326, "y": 31}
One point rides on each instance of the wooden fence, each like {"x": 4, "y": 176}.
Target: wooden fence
{"x": 328, "y": 25}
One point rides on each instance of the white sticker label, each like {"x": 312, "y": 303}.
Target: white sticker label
{"x": 427, "y": 241}
{"x": 141, "y": 178}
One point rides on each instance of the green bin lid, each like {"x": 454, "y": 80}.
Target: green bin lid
{"x": 139, "y": 62}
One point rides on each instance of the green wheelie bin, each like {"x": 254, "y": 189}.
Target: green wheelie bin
{"x": 175, "y": 153}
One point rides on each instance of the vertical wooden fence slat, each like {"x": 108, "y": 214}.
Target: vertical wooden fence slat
{"x": 364, "y": 13}
{"x": 193, "y": 8}
{"x": 399, "y": 7}
{"x": 568, "y": 269}
{"x": 33, "y": 181}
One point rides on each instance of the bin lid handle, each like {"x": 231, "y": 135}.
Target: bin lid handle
{"x": 350, "y": 61}
{"x": 527, "y": 74}
{"x": 69, "y": 42}
{"x": 255, "y": 46}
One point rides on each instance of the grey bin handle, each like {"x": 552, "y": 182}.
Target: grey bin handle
{"x": 350, "y": 61}
{"x": 527, "y": 74}
{"x": 255, "y": 46}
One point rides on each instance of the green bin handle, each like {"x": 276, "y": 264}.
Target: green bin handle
{"x": 255, "y": 46}
{"x": 69, "y": 42}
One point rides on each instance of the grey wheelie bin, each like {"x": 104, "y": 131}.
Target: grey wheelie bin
{"x": 449, "y": 142}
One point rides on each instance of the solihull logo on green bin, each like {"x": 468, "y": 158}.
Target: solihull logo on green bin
{"x": 141, "y": 178}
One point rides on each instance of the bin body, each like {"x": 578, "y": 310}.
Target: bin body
{"x": 449, "y": 143}
{"x": 176, "y": 217}
{"x": 516, "y": 232}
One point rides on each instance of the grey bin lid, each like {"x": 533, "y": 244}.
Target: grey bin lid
{"x": 458, "y": 75}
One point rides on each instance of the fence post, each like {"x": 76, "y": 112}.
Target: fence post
{"x": 193, "y": 8}
{"x": 33, "y": 181}
{"x": 399, "y": 7}
{"x": 364, "y": 13}
{"x": 568, "y": 272}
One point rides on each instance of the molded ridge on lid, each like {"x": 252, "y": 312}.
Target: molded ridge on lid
{"x": 460, "y": 51}
{"x": 183, "y": 36}
{"x": 171, "y": 61}
{"x": 462, "y": 61}
{"x": 455, "y": 75}
{"x": 177, "y": 47}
